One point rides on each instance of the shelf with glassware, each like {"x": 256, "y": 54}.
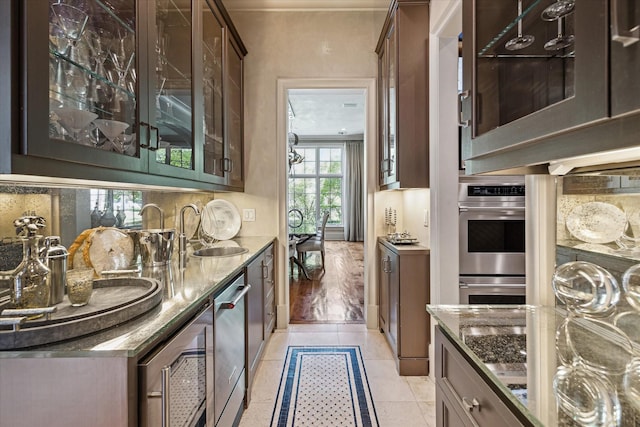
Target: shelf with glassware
{"x": 123, "y": 93}
{"x": 535, "y": 84}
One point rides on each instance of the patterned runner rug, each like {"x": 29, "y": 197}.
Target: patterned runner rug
{"x": 324, "y": 386}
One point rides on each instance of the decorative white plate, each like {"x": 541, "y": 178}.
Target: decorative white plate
{"x": 110, "y": 249}
{"x": 220, "y": 220}
{"x": 596, "y": 222}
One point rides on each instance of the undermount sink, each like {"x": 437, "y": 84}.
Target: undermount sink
{"x": 221, "y": 251}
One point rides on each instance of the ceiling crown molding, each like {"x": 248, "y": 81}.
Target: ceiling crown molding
{"x": 306, "y": 5}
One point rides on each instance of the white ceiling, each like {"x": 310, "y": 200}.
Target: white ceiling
{"x": 327, "y": 112}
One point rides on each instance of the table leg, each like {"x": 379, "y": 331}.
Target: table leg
{"x": 300, "y": 266}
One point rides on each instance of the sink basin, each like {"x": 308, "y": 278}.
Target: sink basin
{"x": 221, "y": 251}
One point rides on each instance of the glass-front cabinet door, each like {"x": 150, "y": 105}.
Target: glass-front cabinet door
{"x": 89, "y": 96}
{"x": 531, "y": 68}
{"x": 387, "y": 69}
{"x": 625, "y": 54}
{"x": 172, "y": 134}
{"x": 212, "y": 45}
{"x": 232, "y": 163}
{"x": 151, "y": 87}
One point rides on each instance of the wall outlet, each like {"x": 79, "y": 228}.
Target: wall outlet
{"x": 248, "y": 214}
{"x": 426, "y": 218}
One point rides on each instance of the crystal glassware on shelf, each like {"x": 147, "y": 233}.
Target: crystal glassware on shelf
{"x": 70, "y": 19}
{"x": 74, "y": 120}
{"x": 561, "y": 41}
{"x": 112, "y": 129}
{"x": 521, "y": 41}
{"x": 557, "y": 10}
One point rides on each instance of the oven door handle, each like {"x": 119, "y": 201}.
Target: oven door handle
{"x": 232, "y": 304}
{"x": 465, "y": 285}
{"x": 491, "y": 208}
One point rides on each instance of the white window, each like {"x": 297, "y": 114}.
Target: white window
{"x": 124, "y": 204}
{"x": 316, "y": 185}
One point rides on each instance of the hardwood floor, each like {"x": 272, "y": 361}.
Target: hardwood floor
{"x": 335, "y": 295}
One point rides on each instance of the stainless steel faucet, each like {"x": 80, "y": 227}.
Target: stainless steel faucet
{"x": 182, "y": 239}
{"x": 153, "y": 205}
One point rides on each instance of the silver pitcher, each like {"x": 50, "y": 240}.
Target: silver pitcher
{"x": 156, "y": 246}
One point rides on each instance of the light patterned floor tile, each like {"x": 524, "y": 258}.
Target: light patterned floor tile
{"x": 423, "y": 388}
{"x": 372, "y": 344}
{"x": 386, "y": 384}
{"x": 258, "y": 414}
{"x": 399, "y": 401}
{"x": 313, "y": 338}
{"x": 400, "y": 414}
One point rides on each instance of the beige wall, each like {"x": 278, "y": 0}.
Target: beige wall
{"x": 291, "y": 45}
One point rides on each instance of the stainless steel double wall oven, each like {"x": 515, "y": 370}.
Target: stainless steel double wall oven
{"x": 492, "y": 239}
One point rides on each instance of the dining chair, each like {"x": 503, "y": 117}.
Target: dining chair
{"x": 314, "y": 243}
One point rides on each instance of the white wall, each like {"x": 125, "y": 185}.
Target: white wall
{"x": 291, "y": 45}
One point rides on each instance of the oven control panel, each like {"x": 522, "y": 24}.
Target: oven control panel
{"x": 495, "y": 190}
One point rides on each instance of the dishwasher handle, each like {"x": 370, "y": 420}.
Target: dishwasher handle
{"x": 166, "y": 396}
{"x": 230, "y": 305}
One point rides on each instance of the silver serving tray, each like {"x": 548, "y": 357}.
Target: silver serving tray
{"x": 113, "y": 301}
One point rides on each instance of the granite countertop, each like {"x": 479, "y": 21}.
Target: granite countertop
{"x": 403, "y": 247}
{"x": 184, "y": 291}
{"x": 544, "y": 360}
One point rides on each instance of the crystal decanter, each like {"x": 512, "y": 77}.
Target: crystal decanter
{"x": 30, "y": 286}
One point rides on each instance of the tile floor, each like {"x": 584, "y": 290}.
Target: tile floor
{"x": 399, "y": 401}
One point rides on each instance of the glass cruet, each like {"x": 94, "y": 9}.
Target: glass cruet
{"x": 30, "y": 287}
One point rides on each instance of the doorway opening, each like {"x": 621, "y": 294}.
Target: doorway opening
{"x": 325, "y": 163}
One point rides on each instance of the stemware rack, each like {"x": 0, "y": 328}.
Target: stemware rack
{"x": 492, "y": 49}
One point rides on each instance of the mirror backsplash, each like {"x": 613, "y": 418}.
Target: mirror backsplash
{"x": 70, "y": 211}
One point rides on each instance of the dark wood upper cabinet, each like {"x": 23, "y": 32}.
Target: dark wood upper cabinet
{"x": 144, "y": 92}
{"x": 403, "y": 96}
{"x": 529, "y": 105}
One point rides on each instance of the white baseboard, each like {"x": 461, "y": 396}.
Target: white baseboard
{"x": 372, "y": 317}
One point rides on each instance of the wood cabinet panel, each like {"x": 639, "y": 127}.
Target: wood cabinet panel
{"x": 466, "y": 391}
{"x": 146, "y": 66}
{"x": 403, "y": 295}
{"x": 403, "y": 82}
{"x": 260, "y": 311}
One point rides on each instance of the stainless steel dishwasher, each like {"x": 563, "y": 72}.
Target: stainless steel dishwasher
{"x": 229, "y": 315}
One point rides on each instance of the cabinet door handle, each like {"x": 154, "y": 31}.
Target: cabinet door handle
{"x": 386, "y": 265}
{"x": 470, "y": 404}
{"x": 154, "y": 138}
{"x": 144, "y": 135}
{"x": 152, "y": 130}
{"x": 227, "y": 165}
{"x": 461, "y": 97}
{"x": 620, "y": 14}
{"x": 265, "y": 272}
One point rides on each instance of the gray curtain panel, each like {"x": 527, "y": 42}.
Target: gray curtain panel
{"x": 353, "y": 206}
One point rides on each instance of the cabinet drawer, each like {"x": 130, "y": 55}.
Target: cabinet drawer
{"x": 463, "y": 386}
